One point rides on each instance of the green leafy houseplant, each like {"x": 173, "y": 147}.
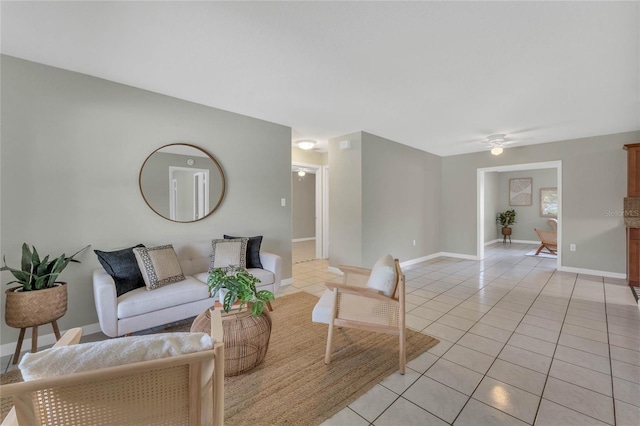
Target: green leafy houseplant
{"x": 240, "y": 285}
{"x": 506, "y": 218}
{"x": 37, "y": 273}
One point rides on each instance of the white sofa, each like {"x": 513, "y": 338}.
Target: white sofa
{"x": 141, "y": 309}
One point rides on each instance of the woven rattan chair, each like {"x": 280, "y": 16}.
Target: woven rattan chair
{"x": 178, "y": 390}
{"x": 366, "y": 308}
{"x": 548, "y": 240}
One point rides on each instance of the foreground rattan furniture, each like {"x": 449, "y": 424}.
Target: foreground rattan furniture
{"x": 246, "y": 338}
{"x": 377, "y": 308}
{"x": 184, "y": 389}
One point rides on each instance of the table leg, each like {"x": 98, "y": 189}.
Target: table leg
{"x": 16, "y": 355}
{"x": 34, "y": 339}
{"x": 56, "y": 330}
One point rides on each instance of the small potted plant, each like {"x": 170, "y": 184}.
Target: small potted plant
{"x": 40, "y": 298}
{"x": 506, "y": 219}
{"x": 237, "y": 284}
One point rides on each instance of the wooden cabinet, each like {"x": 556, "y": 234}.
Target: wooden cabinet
{"x": 633, "y": 233}
{"x": 633, "y": 253}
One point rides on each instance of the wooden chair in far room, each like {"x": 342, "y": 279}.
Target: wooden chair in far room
{"x": 177, "y": 388}
{"x": 377, "y": 307}
{"x": 548, "y": 239}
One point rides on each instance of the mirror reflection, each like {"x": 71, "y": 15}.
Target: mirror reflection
{"x": 182, "y": 183}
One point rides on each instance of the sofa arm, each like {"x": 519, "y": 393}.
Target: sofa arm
{"x": 106, "y": 300}
{"x": 273, "y": 263}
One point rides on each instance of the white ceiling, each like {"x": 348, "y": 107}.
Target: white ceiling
{"x": 439, "y": 76}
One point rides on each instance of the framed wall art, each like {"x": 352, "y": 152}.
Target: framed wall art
{"x": 520, "y": 190}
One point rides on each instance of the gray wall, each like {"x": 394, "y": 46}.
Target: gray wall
{"x": 527, "y": 217}
{"x": 72, "y": 147}
{"x": 383, "y": 195}
{"x": 594, "y": 183}
{"x": 309, "y": 157}
{"x": 400, "y": 200}
{"x": 303, "y": 205}
{"x": 345, "y": 201}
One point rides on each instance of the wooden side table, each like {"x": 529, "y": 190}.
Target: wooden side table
{"x": 246, "y": 338}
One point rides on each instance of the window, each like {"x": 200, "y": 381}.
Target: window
{"x": 549, "y": 202}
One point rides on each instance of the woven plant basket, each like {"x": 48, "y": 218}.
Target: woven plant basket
{"x": 25, "y": 309}
{"x": 246, "y": 338}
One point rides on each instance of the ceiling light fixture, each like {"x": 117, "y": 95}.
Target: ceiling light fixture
{"x": 496, "y": 150}
{"x": 301, "y": 173}
{"x": 306, "y": 144}
{"x": 496, "y": 142}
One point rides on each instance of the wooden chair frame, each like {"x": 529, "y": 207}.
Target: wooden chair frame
{"x": 205, "y": 383}
{"x": 396, "y": 303}
{"x": 548, "y": 240}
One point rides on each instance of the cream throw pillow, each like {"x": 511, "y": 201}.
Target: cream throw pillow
{"x": 226, "y": 253}
{"x": 159, "y": 265}
{"x": 383, "y": 276}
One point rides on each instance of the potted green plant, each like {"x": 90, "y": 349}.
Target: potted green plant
{"x": 239, "y": 285}
{"x": 506, "y": 219}
{"x": 40, "y": 298}
{"x": 36, "y": 273}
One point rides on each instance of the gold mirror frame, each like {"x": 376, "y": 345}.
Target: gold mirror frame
{"x": 158, "y": 195}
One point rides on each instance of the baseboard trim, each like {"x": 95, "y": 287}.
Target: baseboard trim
{"x": 488, "y": 243}
{"x": 44, "y": 340}
{"x": 592, "y": 272}
{"x": 525, "y": 241}
{"x": 299, "y": 240}
{"x": 458, "y": 255}
{"x": 419, "y": 259}
{"x": 286, "y": 282}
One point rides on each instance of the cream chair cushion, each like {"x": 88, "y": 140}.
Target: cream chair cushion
{"x": 383, "y": 276}
{"x": 60, "y": 361}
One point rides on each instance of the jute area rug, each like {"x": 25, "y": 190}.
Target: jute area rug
{"x": 293, "y": 385}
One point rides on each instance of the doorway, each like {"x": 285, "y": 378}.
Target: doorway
{"x": 188, "y": 193}
{"x": 309, "y": 212}
{"x": 481, "y": 215}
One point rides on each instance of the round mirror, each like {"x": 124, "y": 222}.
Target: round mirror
{"x": 182, "y": 183}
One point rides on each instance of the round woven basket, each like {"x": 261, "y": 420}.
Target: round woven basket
{"x": 25, "y": 309}
{"x": 246, "y": 338}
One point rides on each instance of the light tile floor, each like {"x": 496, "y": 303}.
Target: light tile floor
{"x": 520, "y": 343}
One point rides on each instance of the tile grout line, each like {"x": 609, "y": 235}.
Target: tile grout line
{"x": 606, "y": 320}
{"x": 498, "y": 355}
{"x": 553, "y": 356}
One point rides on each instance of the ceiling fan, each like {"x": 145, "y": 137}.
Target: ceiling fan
{"x": 497, "y": 142}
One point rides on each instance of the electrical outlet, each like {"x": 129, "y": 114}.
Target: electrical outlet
{"x": 283, "y": 202}
{"x": 414, "y": 243}
{"x": 572, "y": 247}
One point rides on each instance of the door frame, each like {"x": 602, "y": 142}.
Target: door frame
{"x": 512, "y": 168}
{"x": 322, "y": 202}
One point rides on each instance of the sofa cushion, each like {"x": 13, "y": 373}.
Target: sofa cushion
{"x": 265, "y": 277}
{"x": 228, "y": 253}
{"x": 123, "y": 268}
{"x": 383, "y": 276}
{"x": 140, "y": 301}
{"x": 159, "y": 265}
{"x": 253, "y": 250}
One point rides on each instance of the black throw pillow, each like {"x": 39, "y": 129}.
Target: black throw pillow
{"x": 253, "y": 250}
{"x": 123, "y": 267}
